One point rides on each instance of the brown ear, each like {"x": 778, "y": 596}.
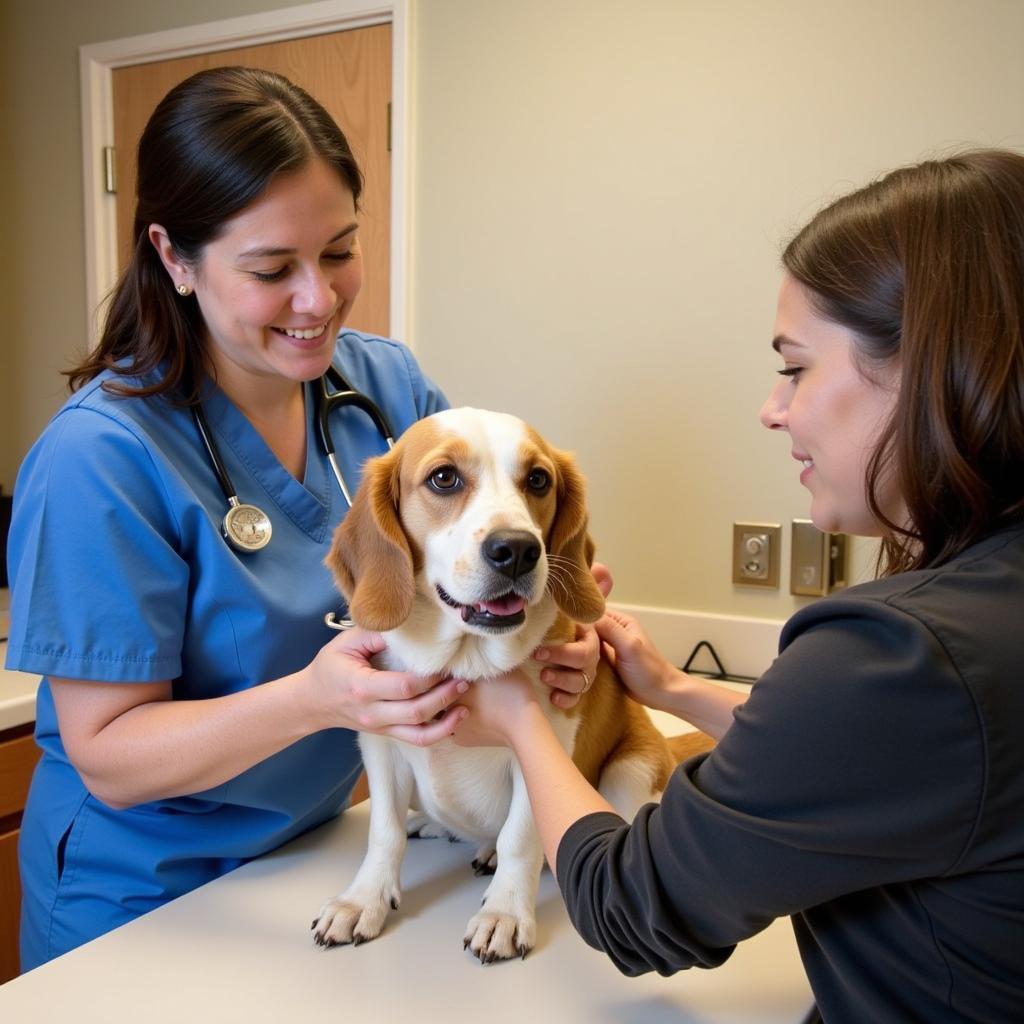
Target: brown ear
{"x": 570, "y": 549}
{"x": 371, "y": 558}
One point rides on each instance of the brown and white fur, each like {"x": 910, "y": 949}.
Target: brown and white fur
{"x": 467, "y": 547}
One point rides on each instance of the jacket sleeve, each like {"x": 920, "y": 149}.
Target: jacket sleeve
{"x": 857, "y": 760}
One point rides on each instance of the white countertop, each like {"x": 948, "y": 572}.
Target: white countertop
{"x": 17, "y": 695}
{"x": 17, "y": 689}
{"x": 240, "y": 949}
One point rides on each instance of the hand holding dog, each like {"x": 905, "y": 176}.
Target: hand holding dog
{"x": 647, "y": 674}
{"x": 653, "y": 680}
{"x": 571, "y": 667}
{"x": 347, "y": 691}
{"x": 497, "y": 710}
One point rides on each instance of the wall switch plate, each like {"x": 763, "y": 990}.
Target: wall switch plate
{"x": 756, "y": 553}
{"x": 818, "y": 560}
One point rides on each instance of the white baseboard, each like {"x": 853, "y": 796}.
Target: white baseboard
{"x": 746, "y": 647}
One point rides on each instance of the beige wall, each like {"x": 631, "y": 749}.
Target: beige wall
{"x": 600, "y": 193}
{"x": 602, "y": 190}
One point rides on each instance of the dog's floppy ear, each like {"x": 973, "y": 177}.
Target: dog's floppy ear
{"x": 570, "y": 548}
{"x": 371, "y": 558}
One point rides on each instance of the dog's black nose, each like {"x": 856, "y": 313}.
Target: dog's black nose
{"x": 512, "y": 552}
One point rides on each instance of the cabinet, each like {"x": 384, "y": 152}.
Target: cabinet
{"x": 18, "y": 756}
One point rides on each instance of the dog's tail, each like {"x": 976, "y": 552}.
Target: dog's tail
{"x": 687, "y": 744}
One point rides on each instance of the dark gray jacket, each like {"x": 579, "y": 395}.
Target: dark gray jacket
{"x": 872, "y": 787}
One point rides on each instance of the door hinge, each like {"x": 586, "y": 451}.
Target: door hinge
{"x": 389, "y": 127}
{"x": 109, "y": 170}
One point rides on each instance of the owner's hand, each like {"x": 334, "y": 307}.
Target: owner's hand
{"x": 496, "y": 709}
{"x": 571, "y": 667}
{"x": 346, "y": 691}
{"x": 640, "y": 665}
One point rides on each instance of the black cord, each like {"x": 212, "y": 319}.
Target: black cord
{"x": 216, "y": 462}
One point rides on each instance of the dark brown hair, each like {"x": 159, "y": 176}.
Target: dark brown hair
{"x": 211, "y": 147}
{"x": 926, "y": 267}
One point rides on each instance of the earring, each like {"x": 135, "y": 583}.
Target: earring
{"x": 183, "y": 289}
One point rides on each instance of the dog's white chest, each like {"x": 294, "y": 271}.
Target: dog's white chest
{"x": 468, "y": 791}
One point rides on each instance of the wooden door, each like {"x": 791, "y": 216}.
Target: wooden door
{"x": 349, "y": 73}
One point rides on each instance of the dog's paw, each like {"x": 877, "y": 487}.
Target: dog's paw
{"x": 346, "y": 921}
{"x": 419, "y": 826}
{"x": 485, "y": 861}
{"x": 493, "y": 935}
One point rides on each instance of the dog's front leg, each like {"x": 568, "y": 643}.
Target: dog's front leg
{"x": 358, "y": 914}
{"x": 506, "y": 924}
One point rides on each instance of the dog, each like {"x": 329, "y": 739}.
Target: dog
{"x": 467, "y": 547}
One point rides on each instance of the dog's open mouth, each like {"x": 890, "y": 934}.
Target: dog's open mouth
{"x": 500, "y": 613}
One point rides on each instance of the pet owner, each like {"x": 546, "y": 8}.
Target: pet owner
{"x": 195, "y": 711}
{"x": 871, "y": 786}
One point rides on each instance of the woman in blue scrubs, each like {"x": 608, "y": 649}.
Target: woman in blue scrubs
{"x": 195, "y": 711}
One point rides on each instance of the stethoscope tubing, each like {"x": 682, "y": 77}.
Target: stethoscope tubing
{"x": 219, "y": 469}
{"x": 344, "y": 395}
{"x": 325, "y": 401}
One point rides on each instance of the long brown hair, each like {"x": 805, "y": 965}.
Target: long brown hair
{"x": 926, "y": 267}
{"x": 211, "y": 147}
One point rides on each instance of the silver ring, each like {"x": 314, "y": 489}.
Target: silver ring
{"x": 587, "y": 681}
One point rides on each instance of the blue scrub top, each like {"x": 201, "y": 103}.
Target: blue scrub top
{"x": 119, "y": 573}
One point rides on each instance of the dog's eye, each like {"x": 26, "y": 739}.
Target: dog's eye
{"x": 444, "y": 479}
{"x": 539, "y": 481}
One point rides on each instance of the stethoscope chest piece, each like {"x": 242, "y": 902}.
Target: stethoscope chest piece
{"x": 246, "y": 527}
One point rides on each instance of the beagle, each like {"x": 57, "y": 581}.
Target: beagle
{"x": 467, "y": 547}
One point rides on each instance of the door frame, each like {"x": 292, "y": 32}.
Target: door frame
{"x": 98, "y": 60}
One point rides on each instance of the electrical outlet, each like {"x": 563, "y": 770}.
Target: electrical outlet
{"x": 818, "y": 560}
{"x": 755, "y": 554}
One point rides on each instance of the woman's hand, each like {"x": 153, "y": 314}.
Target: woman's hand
{"x": 649, "y": 677}
{"x": 496, "y": 709}
{"x": 347, "y": 691}
{"x": 656, "y": 682}
{"x": 571, "y": 667}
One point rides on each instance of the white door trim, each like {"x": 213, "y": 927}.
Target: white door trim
{"x": 97, "y": 61}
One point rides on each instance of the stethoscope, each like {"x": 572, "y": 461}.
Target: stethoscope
{"x": 247, "y": 528}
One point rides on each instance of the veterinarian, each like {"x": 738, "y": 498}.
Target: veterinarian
{"x": 194, "y": 711}
{"x": 871, "y": 785}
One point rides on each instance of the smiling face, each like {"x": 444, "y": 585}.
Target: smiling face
{"x": 278, "y": 281}
{"x": 832, "y": 412}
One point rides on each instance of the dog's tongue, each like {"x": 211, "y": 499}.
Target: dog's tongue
{"x": 510, "y": 604}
